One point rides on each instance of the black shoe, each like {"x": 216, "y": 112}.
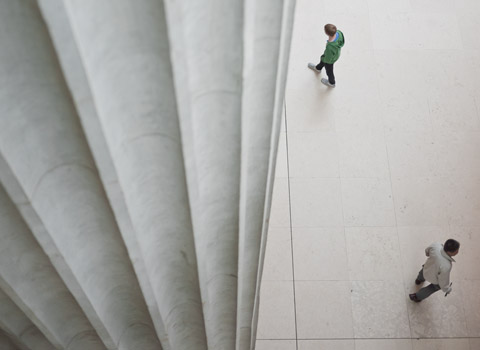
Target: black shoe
{"x": 418, "y": 282}
{"x": 413, "y": 297}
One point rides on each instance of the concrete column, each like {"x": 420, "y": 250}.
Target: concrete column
{"x": 210, "y": 41}
{"x": 260, "y": 127}
{"x": 14, "y": 322}
{"x": 141, "y": 191}
{"x": 278, "y": 105}
{"x": 65, "y": 43}
{"x": 131, "y": 80}
{"x": 6, "y": 343}
{"x": 27, "y": 275}
{"x": 44, "y": 145}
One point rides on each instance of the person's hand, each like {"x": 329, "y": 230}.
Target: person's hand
{"x": 449, "y": 290}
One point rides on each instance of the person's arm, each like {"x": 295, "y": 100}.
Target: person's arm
{"x": 444, "y": 279}
{"x": 328, "y": 55}
{"x": 427, "y": 250}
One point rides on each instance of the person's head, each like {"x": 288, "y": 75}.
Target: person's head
{"x": 451, "y": 247}
{"x": 330, "y": 29}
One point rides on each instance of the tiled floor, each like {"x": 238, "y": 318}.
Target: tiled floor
{"x": 370, "y": 173}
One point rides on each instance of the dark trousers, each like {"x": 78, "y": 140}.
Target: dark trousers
{"x": 425, "y": 292}
{"x": 329, "y": 69}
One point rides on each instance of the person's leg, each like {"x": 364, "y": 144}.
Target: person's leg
{"x": 420, "y": 279}
{"x": 425, "y": 292}
{"x": 329, "y": 69}
{"x": 320, "y": 65}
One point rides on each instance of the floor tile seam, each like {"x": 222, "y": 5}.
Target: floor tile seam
{"x": 457, "y": 15}
{"x": 408, "y": 283}
{"x": 294, "y": 132}
{"x": 373, "y": 338}
{"x": 415, "y": 49}
{"x": 437, "y": 177}
{"x": 436, "y": 226}
{"x": 359, "y": 226}
{"x": 376, "y": 338}
{"x": 346, "y": 254}
{"x": 477, "y": 108}
{"x": 337, "y": 148}
{"x": 438, "y": 156}
{"x": 269, "y": 281}
{"x": 410, "y": 338}
{"x": 430, "y": 120}
{"x": 356, "y": 177}
{"x": 464, "y": 309}
{"x": 450, "y": 230}
{"x": 350, "y": 280}
{"x": 313, "y": 177}
{"x": 403, "y": 272}
{"x": 291, "y": 227}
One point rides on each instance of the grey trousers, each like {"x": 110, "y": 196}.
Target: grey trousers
{"x": 425, "y": 292}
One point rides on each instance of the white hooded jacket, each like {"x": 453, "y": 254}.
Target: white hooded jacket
{"x": 438, "y": 266}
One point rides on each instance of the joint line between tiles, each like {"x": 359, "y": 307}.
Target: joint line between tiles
{"x": 291, "y": 229}
{"x": 405, "y": 293}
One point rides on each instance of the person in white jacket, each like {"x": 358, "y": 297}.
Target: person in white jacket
{"x": 436, "y": 269}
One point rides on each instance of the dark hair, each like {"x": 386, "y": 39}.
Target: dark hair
{"x": 451, "y": 246}
{"x": 330, "y": 29}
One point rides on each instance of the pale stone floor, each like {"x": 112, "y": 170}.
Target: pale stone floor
{"x": 370, "y": 173}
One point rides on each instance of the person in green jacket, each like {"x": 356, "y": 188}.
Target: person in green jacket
{"x": 335, "y": 42}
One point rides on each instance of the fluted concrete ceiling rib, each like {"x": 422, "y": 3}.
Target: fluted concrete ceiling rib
{"x": 136, "y": 168}
{"x": 212, "y": 46}
{"x": 69, "y": 56}
{"x": 14, "y": 322}
{"x": 144, "y": 142}
{"x": 27, "y": 274}
{"x": 6, "y": 343}
{"x": 260, "y": 103}
{"x": 61, "y": 182}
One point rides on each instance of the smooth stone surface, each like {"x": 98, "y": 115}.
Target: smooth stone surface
{"x": 281, "y": 171}
{"x": 379, "y": 310}
{"x": 308, "y": 211}
{"x": 278, "y": 256}
{"x": 467, "y": 263}
{"x": 373, "y": 254}
{"x": 463, "y": 201}
{"x": 420, "y": 201}
{"x": 438, "y": 316}
{"x": 277, "y": 318}
{"x": 320, "y": 254}
{"x": 460, "y": 155}
{"x": 439, "y": 31}
{"x": 323, "y": 309}
{"x": 326, "y": 344}
{"x": 313, "y": 155}
{"x": 383, "y": 344}
{"x": 367, "y": 202}
{"x": 471, "y": 299}
{"x": 403, "y": 128}
{"x": 413, "y": 154}
{"x": 280, "y": 210}
{"x": 440, "y": 344}
{"x": 276, "y": 345}
{"x": 363, "y": 156}
{"x": 312, "y": 113}
{"x": 474, "y": 343}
